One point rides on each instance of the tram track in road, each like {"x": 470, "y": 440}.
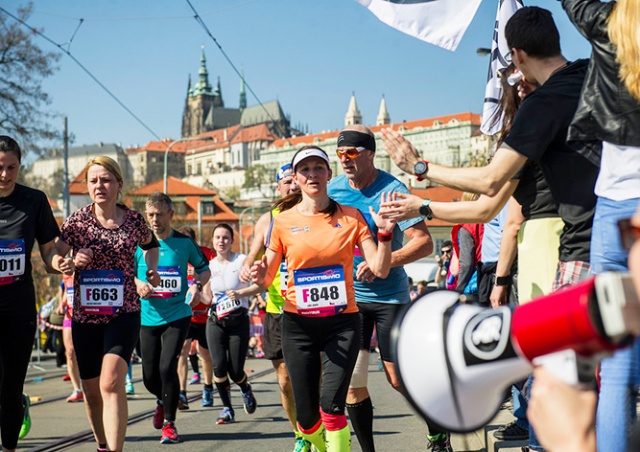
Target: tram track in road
{"x": 71, "y": 441}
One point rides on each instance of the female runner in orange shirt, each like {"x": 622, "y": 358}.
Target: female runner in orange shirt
{"x": 321, "y": 327}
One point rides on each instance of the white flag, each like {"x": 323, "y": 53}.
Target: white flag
{"x": 439, "y": 22}
{"x": 499, "y": 49}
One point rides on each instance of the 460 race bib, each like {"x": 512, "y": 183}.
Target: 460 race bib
{"x": 170, "y": 283}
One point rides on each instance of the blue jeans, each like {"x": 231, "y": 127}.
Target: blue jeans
{"x": 620, "y": 373}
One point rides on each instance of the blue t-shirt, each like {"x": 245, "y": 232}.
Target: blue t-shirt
{"x": 394, "y": 289}
{"x": 493, "y": 236}
{"x": 167, "y": 303}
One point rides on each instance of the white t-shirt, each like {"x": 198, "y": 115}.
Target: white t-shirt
{"x": 619, "y": 176}
{"x": 226, "y": 276}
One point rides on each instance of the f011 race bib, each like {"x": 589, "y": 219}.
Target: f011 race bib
{"x": 12, "y": 261}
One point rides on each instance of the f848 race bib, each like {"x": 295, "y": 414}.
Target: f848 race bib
{"x": 320, "y": 291}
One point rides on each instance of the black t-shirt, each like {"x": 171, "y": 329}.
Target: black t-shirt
{"x": 533, "y": 193}
{"x": 539, "y": 133}
{"x": 25, "y": 216}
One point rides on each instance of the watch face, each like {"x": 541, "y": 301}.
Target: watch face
{"x": 420, "y": 168}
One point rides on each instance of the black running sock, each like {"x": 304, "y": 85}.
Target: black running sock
{"x": 193, "y": 359}
{"x": 209, "y": 387}
{"x": 224, "y": 389}
{"x": 361, "y": 416}
{"x": 244, "y": 386}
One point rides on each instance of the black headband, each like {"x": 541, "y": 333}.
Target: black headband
{"x": 351, "y": 138}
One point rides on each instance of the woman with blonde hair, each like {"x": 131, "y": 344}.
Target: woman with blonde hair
{"x": 104, "y": 236}
{"x": 609, "y": 113}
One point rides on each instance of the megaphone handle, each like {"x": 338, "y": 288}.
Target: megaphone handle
{"x": 570, "y": 367}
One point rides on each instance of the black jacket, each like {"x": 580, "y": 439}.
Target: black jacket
{"x": 606, "y": 112}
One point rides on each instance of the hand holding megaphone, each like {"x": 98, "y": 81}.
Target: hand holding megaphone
{"x": 470, "y": 355}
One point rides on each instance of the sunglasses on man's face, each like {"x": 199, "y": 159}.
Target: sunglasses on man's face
{"x": 349, "y": 153}
{"x": 628, "y": 233}
{"x": 446, "y": 251}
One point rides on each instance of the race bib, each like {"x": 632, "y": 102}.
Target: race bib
{"x": 12, "y": 261}
{"x": 101, "y": 291}
{"x": 70, "y": 297}
{"x": 170, "y": 283}
{"x": 225, "y": 306}
{"x": 284, "y": 278}
{"x": 320, "y": 291}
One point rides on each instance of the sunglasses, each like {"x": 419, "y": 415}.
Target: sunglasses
{"x": 349, "y": 153}
{"x": 628, "y": 233}
{"x": 446, "y": 251}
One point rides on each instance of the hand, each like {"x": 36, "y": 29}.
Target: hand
{"x": 60, "y": 309}
{"x": 245, "y": 273}
{"x": 232, "y": 294}
{"x": 556, "y": 408}
{"x": 439, "y": 261}
{"x": 194, "y": 300}
{"x": 525, "y": 88}
{"x": 385, "y": 225}
{"x": 364, "y": 274}
{"x": 65, "y": 265}
{"x": 144, "y": 290}
{"x": 82, "y": 258}
{"x": 403, "y": 207}
{"x": 498, "y": 296}
{"x": 402, "y": 152}
{"x": 259, "y": 271}
{"x": 153, "y": 277}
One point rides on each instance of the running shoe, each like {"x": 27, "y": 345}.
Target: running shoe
{"x": 302, "y": 445}
{"x": 440, "y": 443}
{"x": 129, "y": 388}
{"x": 250, "y": 403}
{"x": 158, "y": 417}
{"x": 66, "y": 377}
{"x": 207, "y": 397}
{"x": 260, "y": 355}
{"x": 183, "y": 402}
{"x": 26, "y": 419}
{"x": 226, "y": 416}
{"x": 169, "y": 434}
{"x": 511, "y": 432}
{"x": 195, "y": 379}
{"x": 76, "y": 396}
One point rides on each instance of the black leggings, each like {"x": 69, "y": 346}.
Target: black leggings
{"x": 16, "y": 343}
{"x": 306, "y": 342}
{"x": 228, "y": 344}
{"x": 161, "y": 346}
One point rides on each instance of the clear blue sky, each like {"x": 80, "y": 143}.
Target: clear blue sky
{"x": 310, "y": 55}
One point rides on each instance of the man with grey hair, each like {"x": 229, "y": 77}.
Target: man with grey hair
{"x": 166, "y": 310}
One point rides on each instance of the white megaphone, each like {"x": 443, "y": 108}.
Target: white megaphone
{"x": 455, "y": 360}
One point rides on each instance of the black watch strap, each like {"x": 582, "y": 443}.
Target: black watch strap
{"x": 503, "y": 280}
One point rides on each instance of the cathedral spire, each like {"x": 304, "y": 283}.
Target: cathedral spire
{"x": 383, "y": 115}
{"x": 353, "y": 115}
{"x": 243, "y": 95}
{"x": 202, "y": 86}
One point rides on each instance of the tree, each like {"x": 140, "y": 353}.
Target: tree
{"x": 260, "y": 177}
{"x": 23, "y": 66}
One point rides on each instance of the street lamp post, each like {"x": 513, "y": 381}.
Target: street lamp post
{"x": 166, "y": 154}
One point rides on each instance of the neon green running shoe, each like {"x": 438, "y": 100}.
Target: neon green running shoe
{"x": 26, "y": 420}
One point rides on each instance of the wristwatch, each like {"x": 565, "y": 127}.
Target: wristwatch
{"x": 420, "y": 169}
{"x": 503, "y": 280}
{"x": 425, "y": 210}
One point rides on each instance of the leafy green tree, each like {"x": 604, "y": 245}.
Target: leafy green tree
{"x": 23, "y": 66}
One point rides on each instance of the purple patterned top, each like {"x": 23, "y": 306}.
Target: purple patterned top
{"x": 113, "y": 249}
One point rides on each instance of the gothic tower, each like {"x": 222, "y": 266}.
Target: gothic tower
{"x": 383, "y": 115}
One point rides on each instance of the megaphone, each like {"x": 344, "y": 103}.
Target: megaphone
{"x": 456, "y": 361}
